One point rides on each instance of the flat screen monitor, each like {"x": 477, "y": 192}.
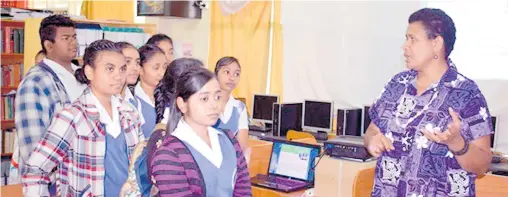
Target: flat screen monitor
{"x": 493, "y": 137}
{"x": 317, "y": 116}
{"x": 262, "y": 107}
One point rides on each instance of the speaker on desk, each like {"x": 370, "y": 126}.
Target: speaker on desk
{"x": 286, "y": 116}
{"x": 349, "y": 122}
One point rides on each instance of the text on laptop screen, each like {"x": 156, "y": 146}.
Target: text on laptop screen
{"x": 293, "y": 161}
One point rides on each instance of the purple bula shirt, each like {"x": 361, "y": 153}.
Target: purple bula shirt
{"x": 418, "y": 167}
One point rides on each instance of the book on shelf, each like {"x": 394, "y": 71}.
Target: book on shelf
{"x": 8, "y": 102}
{"x": 13, "y": 40}
{"x": 8, "y": 137}
{"x": 11, "y": 75}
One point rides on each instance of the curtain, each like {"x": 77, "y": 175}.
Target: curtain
{"x": 246, "y": 36}
{"x": 108, "y": 10}
{"x": 277, "y": 53}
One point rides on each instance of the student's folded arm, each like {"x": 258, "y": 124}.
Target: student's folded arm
{"x": 243, "y": 129}
{"x": 48, "y": 153}
{"x": 169, "y": 174}
{"x": 33, "y": 113}
{"x": 242, "y": 183}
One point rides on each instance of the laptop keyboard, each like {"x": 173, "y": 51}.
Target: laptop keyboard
{"x": 276, "y": 182}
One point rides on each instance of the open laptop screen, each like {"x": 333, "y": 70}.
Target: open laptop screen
{"x": 293, "y": 160}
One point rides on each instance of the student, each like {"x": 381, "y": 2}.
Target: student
{"x": 138, "y": 182}
{"x": 91, "y": 140}
{"x": 214, "y": 161}
{"x": 165, "y": 43}
{"x": 40, "y": 56}
{"x": 14, "y": 170}
{"x": 133, "y": 68}
{"x": 153, "y": 67}
{"x": 234, "y": 116}
{"x": 47, "y": 86}
{"x": 176, "y": 68}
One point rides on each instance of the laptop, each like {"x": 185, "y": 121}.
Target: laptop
{"x": 291, "y": 167}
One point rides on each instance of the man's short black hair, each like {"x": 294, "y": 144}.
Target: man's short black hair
{"x": 47, "y": 31}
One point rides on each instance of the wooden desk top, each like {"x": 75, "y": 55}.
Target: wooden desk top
{"x": 264, "y": 192}
{"x": 11, "y": 191}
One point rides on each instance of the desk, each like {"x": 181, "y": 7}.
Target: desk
{"x": 263, "y": 192}
{"x": 335, "y": 177}
{"x": 498, "y": 167}
{"x": 11, "y": 191}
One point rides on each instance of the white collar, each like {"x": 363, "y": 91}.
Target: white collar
{"x": 128, "y": 94}
{"x": 185, "y": 133}
{"x": 59, "y": 68}
{"x": 128, "y": 97}
{"x": 142, "y": 95}
{"x": 228, "y": 109}
{"x": 112, "y": 123}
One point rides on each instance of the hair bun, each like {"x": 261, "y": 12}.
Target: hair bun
{"x": 80, "y": 75}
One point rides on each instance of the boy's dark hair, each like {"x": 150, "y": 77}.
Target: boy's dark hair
{"x": 47, "y": 31}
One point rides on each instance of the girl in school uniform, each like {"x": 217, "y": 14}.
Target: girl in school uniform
{"x": 153, "y": 67}
{"x": 165, "y": 43}
{"x": 133, "y": 68}
{"x": 214, "y": 161}
{"x": 234, "y": 115}
{"x": 162, "y": 99}
{"x": 89, "y": 141}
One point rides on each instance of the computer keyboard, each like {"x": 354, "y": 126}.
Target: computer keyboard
{"x": 259, "y": 129}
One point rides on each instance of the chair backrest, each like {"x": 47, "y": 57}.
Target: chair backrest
{"x": 295, "y": 135}
{"x": 492, "y": 186}
{"x": 364, "y": 182}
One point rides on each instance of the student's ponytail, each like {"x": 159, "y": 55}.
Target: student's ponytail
{"x": 80, "y": 75}
{"x": 163, "y": 93}
{"x": 165, "y": 90}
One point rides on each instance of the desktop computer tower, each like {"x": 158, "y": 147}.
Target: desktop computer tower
{"x": 366, "y": 118}
{"x": 286, "y": 116}
{"x": 349, "y": 122}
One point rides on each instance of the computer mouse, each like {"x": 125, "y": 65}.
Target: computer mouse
{"x": 309, "y": 193}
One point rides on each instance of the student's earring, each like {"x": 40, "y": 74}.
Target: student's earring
{"x": 435, "y": 56}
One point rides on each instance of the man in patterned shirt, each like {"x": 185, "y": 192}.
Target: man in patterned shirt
{"x": 430, "y": 126}
{"x": 47, "y": 86}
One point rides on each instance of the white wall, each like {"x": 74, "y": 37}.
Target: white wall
{"x": 347, "y": 51}
{"x": 192, "y": 31}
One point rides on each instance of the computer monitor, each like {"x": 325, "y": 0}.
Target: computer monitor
{"x": 293, "y": 160}
{"x": 493, "y": 137}
{"x": 262, "y": 107}
{"x": 317, "y": 116}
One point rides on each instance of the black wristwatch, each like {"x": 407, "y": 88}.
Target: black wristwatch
{"x": 463, "y": 150}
